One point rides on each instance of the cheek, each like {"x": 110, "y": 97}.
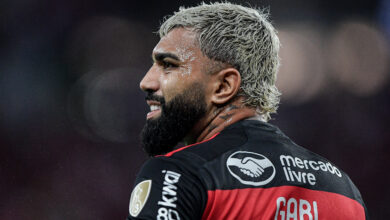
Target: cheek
{"x": 169, "y": 86}
{"x": 164, "y": 82}
{"x": 167, "y": 81}
{"x": 186, "y": 70}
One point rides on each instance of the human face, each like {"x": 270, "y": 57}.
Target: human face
{"x": 177, "y": 64}
{"x": 176, "y": 92}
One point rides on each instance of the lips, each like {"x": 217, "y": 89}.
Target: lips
{"x": 155, "y": 109}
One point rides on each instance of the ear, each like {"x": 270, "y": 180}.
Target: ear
{"x": 226, "y": 85}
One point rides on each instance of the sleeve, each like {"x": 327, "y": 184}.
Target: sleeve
{"x": 167, "y": 189}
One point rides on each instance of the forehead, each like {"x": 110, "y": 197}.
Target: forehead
{"x": 177, "y": 40}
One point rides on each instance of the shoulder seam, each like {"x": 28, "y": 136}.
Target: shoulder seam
{"x": 182, "y": 148}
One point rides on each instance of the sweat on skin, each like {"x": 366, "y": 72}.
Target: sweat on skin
{"x": 179, "y": 63}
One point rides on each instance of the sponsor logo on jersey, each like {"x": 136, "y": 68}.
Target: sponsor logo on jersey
{"x": 167, "y": 211}
{"x": 295, "y": 209}
{"x": 250, "y": 168}
{"x": 297, "y": 170}
{"x": 139, "y": 196}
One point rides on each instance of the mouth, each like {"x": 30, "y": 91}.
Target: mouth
{"x": 155, "y": 109}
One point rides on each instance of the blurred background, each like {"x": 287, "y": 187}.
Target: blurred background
{"x": 71, "y": 110}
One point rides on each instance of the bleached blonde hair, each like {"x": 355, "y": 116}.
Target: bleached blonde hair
{"x": 242, "y": 37}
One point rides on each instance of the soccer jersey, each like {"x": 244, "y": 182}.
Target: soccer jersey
{"x": 250, "y": 170}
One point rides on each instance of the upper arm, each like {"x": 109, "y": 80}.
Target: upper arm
{"x": 166, "y": 189}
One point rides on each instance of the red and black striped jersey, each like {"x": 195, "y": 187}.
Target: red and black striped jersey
{"x": 250, "y": 170}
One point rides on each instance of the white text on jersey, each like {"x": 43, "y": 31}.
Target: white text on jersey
{"x": 294, "y": 209}
{"x": 169, "y": 197}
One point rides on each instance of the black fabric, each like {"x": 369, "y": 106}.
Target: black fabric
{"x": 207, "y": 167}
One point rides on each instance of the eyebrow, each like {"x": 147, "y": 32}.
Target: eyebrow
{"x": 162, "y": 56}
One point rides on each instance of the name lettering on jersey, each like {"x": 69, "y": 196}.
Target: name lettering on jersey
{"x": 295, "y": 209}
{"x": 291, "y": 164}
{"x": 169, "y": 197}
{"x": 250, "y": 168}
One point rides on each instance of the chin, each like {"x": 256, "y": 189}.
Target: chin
{"x": 176, "y": 120}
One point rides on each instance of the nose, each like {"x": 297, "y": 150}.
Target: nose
{"x": 150, "y": 81}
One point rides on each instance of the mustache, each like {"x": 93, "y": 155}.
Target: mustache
{"x": 152, "y": 97}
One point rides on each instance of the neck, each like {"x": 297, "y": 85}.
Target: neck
{"x": 223, "y": 117}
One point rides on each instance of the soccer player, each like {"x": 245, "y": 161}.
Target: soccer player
{"x": 212, "y": 87}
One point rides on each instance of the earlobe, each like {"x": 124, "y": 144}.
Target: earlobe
{"x": 226, "y": 86}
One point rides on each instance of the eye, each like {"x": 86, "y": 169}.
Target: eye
{"x": 167, "y": 64}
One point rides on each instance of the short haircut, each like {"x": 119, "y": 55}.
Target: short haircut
{"x": 242, "y": 37}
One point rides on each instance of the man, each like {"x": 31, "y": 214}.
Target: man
{"x": 212, "y": 87}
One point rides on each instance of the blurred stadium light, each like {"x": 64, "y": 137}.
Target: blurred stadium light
{"x": 359, "y": 57}
{"x": 301, "y": 74}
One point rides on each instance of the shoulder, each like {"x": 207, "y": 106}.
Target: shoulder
{"x": 163, "y": 168}
{"x": 166, "y": 187}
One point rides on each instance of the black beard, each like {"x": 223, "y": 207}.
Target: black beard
{"x": 178, "y": 117}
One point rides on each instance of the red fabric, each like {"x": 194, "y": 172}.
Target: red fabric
{"x": 182, "y": 148}
{"x": 261, "y": 203}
